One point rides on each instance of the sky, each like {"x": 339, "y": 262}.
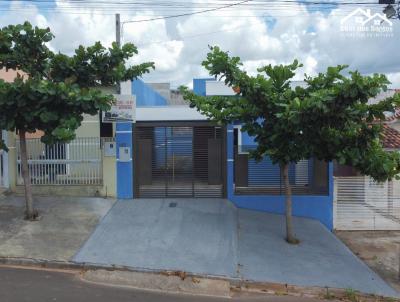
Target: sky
{"x": 259, "y": 32}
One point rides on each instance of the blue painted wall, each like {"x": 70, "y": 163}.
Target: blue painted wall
{"x": 310, "y": 206}
{"x": 146, "y": 96}
{"x": 123, "y": 138}
{"x": 199, "y": 86}
{"x": 247, "y": 140}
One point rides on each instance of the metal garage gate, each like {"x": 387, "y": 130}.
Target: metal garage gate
{"x": 178, "y": 161}
{"x": 360, "y": 203}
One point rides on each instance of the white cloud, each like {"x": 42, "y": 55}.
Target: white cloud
{"x": 395, "y": 79}
{"x": 178, "y": 46}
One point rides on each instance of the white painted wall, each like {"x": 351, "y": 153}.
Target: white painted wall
{"x": 218, "y": 88}
{"x": 126, "y": 87}
{"x": 168, "y": 113}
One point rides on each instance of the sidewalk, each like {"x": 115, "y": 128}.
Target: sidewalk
{"x": 212, "y": 237}
{"x": 208, "y": 237}
{"x": 65, "y": 224}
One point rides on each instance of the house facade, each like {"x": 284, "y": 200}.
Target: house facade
{"x": 173, "y": 151}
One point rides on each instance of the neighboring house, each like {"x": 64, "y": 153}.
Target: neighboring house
{"x": 390, "y": 141}
{"x": 390, "y": 134}
{"x": 360, "y": 203}
{"x": 80, "y": 164}
{"x": 390, "y": 138}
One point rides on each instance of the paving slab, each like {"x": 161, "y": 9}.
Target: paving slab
{"x": 197, "y": 236}
{"x": 320, "y": 259}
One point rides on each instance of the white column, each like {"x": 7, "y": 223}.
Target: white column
{"x": 126, "y": 87}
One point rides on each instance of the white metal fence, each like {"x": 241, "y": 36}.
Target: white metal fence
{"x": 360, "y": 203}
{"x": 78, "y": 162}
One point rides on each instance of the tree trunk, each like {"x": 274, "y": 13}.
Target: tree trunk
{"x": 30, "y": 213}
{"x": 288, "y": 196}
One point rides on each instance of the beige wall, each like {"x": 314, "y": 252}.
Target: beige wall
{"x": 109, "y": 177}
{"x": 9, "y": 75}
{"x": 90, "y": 126}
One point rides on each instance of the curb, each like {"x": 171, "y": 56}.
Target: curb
{"x": 172, "y": 282}
{"x": 40, "y": 263}
{"x": 70, "y": 265}
{"x": 187, "y": 283}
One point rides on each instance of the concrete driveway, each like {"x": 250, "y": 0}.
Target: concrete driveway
{"x": 212, "y": 237}
{"x": 191, "y": 235}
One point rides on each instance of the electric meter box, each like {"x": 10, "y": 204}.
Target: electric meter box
{"x": 110, "y": 149}
{"x": 124, "y": 154}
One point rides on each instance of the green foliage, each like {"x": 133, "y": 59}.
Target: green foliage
{"x": 23, "y": 47}
{"x": 53, "y": 91}
{"x": 329, "y": 118}
{"x": 3, "y": 145}
{"x": 87, "y": 66}
{"x": 351, "y": 295}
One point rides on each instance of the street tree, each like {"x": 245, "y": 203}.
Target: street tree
{"x": 53, "y": 90}
{"x": 329, "y": 118}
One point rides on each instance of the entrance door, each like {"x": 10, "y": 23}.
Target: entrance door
{"x": 178, "y": 161}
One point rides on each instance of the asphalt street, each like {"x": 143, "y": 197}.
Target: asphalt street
{"x": 32, "y": 285}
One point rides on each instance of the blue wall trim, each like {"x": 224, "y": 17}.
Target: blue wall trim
{"x": 123, "y": 138}
{"x": 310, "y": 206}
{"x": 147, "y": 96}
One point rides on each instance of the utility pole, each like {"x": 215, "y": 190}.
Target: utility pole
{"x": 118, "y": 40}
{"x": 118, "y": 29}
{"x": 126, "y": 86}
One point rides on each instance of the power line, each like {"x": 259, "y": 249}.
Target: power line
{"x": 97, "y": 7}
{"x": 157, "y": 3}
{"x": 187, "y": 14}
{"x": 180, "y": 5}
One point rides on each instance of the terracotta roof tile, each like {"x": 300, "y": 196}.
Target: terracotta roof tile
{"x": 390, "y": 137}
